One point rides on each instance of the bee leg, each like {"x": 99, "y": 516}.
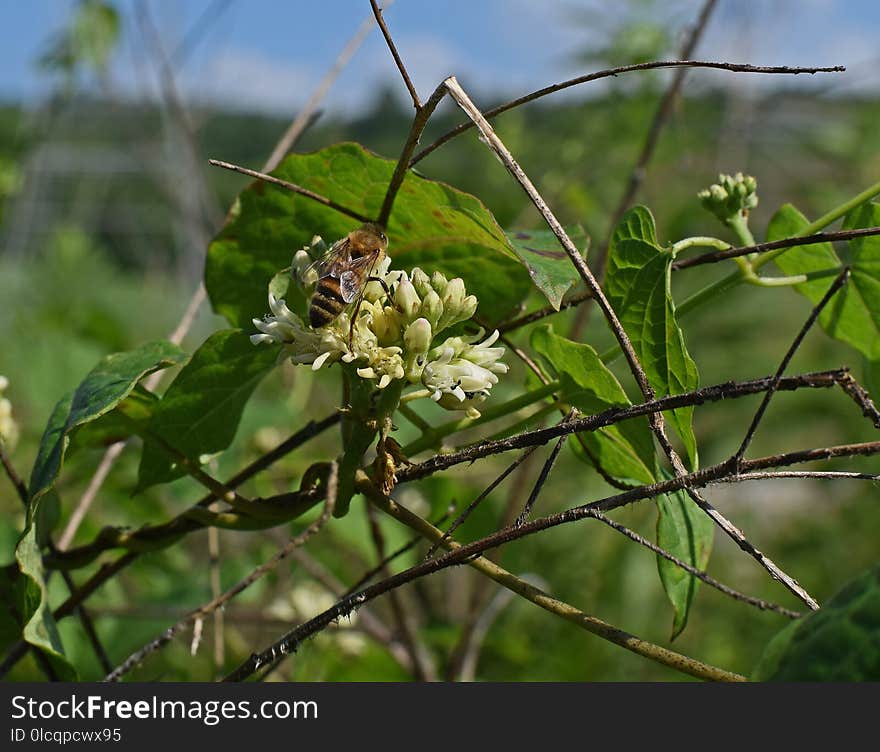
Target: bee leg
{"x": 387, "y": 290}
{"x": 352, "y": 322}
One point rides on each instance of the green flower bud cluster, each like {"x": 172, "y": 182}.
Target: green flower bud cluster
{"x": 395, "y": 335}
{"x": 731, "y": 198}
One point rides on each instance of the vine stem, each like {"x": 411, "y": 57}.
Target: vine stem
{"x": 735, "y": 278}
{"x": 656, "y": 419}
{"x": 458, "y": 554}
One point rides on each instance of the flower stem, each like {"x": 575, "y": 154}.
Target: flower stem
{"x": 700, "y": 241}
{"x": 737, "y": 277}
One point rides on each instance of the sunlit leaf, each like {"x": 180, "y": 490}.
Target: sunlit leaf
{"x": 200, "y": 411}
{"x": 639, "y": 290}
{"x": 108, "y": 384}
{"x": 623, "y": 451}
{"x": 853, "y": 316}
{"x": 432, "y": 226}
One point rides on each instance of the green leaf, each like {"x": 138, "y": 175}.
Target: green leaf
{"x": 839, "y": 643}
{"x": 638, "y": 285}
{"x": 853, "y": 316}
{"x": 637, "y": 224}
{"x": 117, "y": 425}
{"x": 432, "y": 226}
{"x": 685, "y": 531}
{"x": 200, "y": 411}
{"x": 108, "y": 384}
{"x": 32, "y": 604}
{"x": 549, "y": 266}
{"x": 624, "y": 451}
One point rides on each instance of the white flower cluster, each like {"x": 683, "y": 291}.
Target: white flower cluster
{"x": 394, "y": 335}
{"x": 8, "y": 426}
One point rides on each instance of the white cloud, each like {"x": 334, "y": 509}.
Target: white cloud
{"x": 249, "y": 80}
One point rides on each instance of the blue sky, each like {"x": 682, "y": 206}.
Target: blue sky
{"x": 269, "y": 54}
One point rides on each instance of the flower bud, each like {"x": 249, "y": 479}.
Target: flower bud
{"x": 421, "y": 281}
{"x": 432, "y": 307}
{"x": 731, "y": 198}
{"x": 439, "y": 282}
{"x": 407, "y": 299}
{"x": 417, "y": 342}
{"x": 452, "y": 297}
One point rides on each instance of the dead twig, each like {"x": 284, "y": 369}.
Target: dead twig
{"x": 201, "y": 612}
{"x": 835, "y": 286}
{"x": 610, "y": 73}
{"x": 658, "y": 122}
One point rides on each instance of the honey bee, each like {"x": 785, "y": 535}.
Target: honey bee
{"x": 344, "y": 271}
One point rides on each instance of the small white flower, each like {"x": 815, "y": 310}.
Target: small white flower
{"x": 8, "y": 426}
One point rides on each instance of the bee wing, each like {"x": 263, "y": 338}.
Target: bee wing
{"x": 332, "y": 262}
{"x": 349, "y": 285}
{"x": 352, "y": 281}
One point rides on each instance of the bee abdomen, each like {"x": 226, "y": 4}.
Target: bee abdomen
{"x": 326, "y": 303}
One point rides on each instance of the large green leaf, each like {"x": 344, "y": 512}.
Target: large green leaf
{"x": 200, "y": 410}
{"x": 432, "y": 226}
{"x": 685, "y": 531}
{"x": 638, "y": 285}
{"x": 108, "y": 384}
{"x": 624, "y": 451}
{"x": 549, "y": 266}
{"x": 840, "y": 642}
{"x": 854, "y": 314}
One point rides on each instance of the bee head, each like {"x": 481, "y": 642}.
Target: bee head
{"x": 376, "y": 232}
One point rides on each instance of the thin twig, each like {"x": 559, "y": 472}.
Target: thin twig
{"x": 12, "y": 474}
{"x": 466, "y": 553}
{"x": 541, "y": 313}
{"x": 544, "y": 474}
{"x": 90, "y": 494}
{"x": 803, "y": 474}
{"x": 835, "y": 286}
{"x": 611, "y": 72}
{"x": 856, "y": 392}
{"x": 108, "y": 571}
{"x": 306, "y": 115}
{"x": 656, "y": 419}
{"x": 468, "y": 510}
{"x": 661, "y": 117}
{"x": 88, "y": 626}
{"x": 457, "y": 555}
{"x": 371, "y": 624}
{"x": 290, "y": 187}
{"x": 700, "y": 575}
{"x": 714, "y": 257}
{"x": 201, "y": 612}
{"x": 408, "y": 546}
{"x": 414, "y": 95}
{"x": 423, "y": 669}
{"x": 419, "y": 122}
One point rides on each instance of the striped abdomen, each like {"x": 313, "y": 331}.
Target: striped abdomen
{"x": 326, "y": 303}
